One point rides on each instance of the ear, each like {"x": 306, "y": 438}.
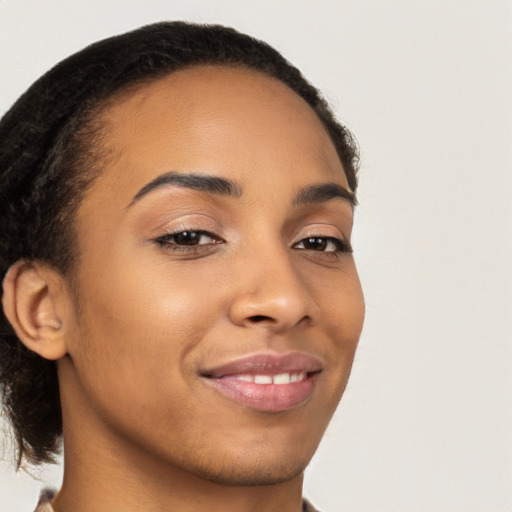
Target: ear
{"x": 33, "y": 295}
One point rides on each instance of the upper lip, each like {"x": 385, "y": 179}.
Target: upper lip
{"x": 266, "y": 364}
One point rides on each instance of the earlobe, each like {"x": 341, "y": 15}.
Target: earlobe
{"x": 30, "y": 299}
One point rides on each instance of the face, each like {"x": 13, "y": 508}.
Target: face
{"x": 219, "y": 304}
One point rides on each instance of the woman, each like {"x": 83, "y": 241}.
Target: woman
{"x": 180, "y": 300}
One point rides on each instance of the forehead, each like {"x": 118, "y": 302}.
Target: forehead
{"x": 229, "y": 121}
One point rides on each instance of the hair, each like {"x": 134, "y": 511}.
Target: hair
{"x": 50, "y": 153}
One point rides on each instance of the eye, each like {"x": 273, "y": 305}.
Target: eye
{"x": 323, "y": 244}
{"x": 188, "y": 239}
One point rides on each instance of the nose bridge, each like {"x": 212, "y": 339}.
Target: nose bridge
{"x": 270, "y": 289}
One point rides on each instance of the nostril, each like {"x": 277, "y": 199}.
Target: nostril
{"x": 259, "y": 318}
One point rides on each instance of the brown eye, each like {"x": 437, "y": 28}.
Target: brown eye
{"x": 323, "y": 244}
{"x": 316, "y": 244}
{"x": 188, "y": 238}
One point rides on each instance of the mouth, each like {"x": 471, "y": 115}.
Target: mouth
{"x": 267, "y": 382}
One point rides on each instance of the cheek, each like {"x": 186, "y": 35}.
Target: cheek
{"x": 136, "y": 322}
{"x": 342, "y": 308}
{"x": 148, "y": 301}
{"x": 341, "y": 302}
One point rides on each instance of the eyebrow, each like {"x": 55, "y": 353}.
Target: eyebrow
{"x": 324, "y": 192}
{"x": 319, "y": 193}
{"x": 194, "y": 181}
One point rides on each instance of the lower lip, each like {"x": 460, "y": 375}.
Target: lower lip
{"x": 265, "y": 397}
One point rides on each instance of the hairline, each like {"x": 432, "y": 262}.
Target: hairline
{"x": 96, "y": 122}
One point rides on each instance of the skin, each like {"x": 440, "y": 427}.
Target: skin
{"x": 142, "y": 429}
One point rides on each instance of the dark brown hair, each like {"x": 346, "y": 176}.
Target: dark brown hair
{"x": 50, "y": 152}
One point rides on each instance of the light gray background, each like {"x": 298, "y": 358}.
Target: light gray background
{"x": 426, "y": 422}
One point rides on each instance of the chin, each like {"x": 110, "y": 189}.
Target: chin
{"x": 253, "y": 473}
{"x": 269, "y": 456}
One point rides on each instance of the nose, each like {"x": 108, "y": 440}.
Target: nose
{"x": 270, "y": 292}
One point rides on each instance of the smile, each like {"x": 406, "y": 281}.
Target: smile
{"x": 267, "y": 382}
{"x": 280, "y": 378}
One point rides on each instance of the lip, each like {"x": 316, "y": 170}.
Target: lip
{"x": 269, "y": 397}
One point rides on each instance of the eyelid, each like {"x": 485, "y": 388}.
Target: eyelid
{"x": 326, "y": 231}
{"x": 195, "y": 222}
{"x": 340, "y": 244}
{"x": 188, "y": 222}
{"x": 320, "y": 230}
{"x": 184, "y": 229}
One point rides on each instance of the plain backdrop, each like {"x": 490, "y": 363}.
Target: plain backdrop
{"x": 426, "y": 422}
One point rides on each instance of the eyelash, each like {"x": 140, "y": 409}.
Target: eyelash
{"x": 340, "y": 246}
{"x": 168, "y": 241}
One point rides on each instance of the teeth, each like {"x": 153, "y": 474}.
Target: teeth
{"x": 280, "y": 378}
{"x": 262, "y": 379}
{"x": 246, "y": 378}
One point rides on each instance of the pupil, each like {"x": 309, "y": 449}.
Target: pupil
{"x": 187, "y": 238}
{"x": 317, "y": 243}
